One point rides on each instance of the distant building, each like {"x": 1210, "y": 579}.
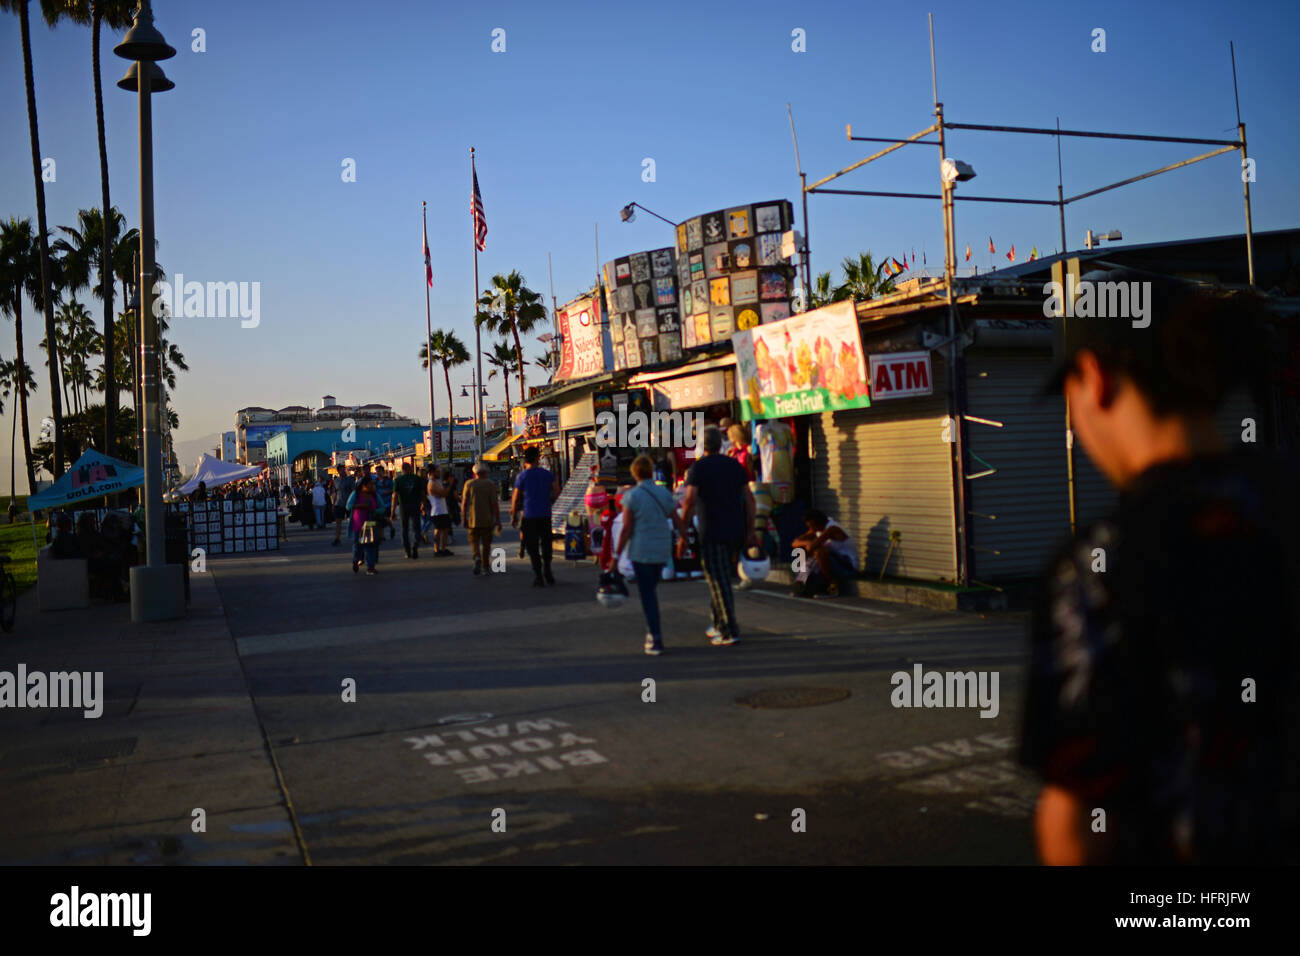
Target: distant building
{"x": 256, "y": 425}
{"x": 229, "y": 450}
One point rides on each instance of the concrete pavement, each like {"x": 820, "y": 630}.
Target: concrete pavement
{"x": 484, "y": 700}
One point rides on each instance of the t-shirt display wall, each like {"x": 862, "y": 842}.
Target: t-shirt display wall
{"x": 231, "y": 527}
{"x": 725, "y": 273}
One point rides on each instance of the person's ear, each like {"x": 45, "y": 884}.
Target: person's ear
{"x": 1096, "y": 384}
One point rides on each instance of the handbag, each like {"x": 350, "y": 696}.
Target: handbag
{"x": 368, "y": 532}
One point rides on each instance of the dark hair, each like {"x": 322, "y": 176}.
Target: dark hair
{"x": 530, "y": 454}
{"x": 1202, "y": 346}
{"x": 814, "y": 516}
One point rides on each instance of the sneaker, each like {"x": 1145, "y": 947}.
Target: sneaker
{"x": 550, "y": 578}
{"x": 712, "y": 633}
{"x": 538, "y": 583}
{"x": 355, "y": 566}
{"x": 478, "y": 568}
{"x": 833, "y": 589}
{"x": 721, "y": 640}
{"x": 653, "y": 646}
{"x": 446, "y": 553}
{"x": 372, "y": 570}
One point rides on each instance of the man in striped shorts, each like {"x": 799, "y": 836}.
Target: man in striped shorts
{"x": 717, "y": 490}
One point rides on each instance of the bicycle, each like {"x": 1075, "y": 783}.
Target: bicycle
{"x": 8, "y": 594}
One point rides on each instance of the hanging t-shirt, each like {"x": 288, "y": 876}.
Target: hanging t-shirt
{"x": 776, "y": 457}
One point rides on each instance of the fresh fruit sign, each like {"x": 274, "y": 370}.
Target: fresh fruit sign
{"x": 802, "y": 365}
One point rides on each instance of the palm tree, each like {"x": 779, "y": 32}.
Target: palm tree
{"x": 503, "y": 359}
{"x": 51, "y": 10}
{"x": 863, "y": 279}
{"x": 118, "y": 15}
{"x": 12, "y": 377}
{"x": 509, "y": 308}
{"x": 19, "y": 270}
{"x": 546, "y": 361}
{"x": 821, "y": 293}
{"x": 447, "y": 350}
{"x": 77, "y": 339}
{"x": 83, "y": 256}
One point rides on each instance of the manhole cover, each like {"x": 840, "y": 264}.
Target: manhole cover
{"x": 783, "y": 697}
{"x": 463, "y": 719}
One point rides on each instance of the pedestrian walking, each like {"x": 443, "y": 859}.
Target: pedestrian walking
{"x": 1154, "y": 625}
{"x": 426, "y": 525}
{"x": 437, "y": 492}
{"x": 408, "y": 491}
{"x": 595, "y": 499}
{"x": 717, "y": 491}
{"x": 481, "y": 512}
{"x": 343, "y": 489}
{"x": 384, "y": 488}
{"x": 318, "y": 502}
{"x": 649, "y": 514}
{"x": 530, "y": 508}
{"x": 366, "y": 525}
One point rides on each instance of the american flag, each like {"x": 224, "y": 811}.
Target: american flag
{"x": 428, "y": 263}
{"x": 480, "y": 219}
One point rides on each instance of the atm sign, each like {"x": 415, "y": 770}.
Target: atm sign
{"x": 900, "y": 375}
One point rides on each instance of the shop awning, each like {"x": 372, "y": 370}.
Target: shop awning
{"x": 496, "y": 451}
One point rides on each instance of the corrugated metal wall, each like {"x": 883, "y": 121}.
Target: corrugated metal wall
{"x": 1028, "y": 493}
{"x": 887, "y": 468}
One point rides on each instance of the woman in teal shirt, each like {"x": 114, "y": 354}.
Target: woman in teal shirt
{"x": 647, "y": 511}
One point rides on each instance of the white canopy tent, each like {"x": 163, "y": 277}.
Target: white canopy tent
{"x": 214, "y": 472}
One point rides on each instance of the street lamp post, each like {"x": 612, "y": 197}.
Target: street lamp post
{"x": 157, "y": 588}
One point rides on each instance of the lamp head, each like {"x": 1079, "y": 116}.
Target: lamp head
{"x": 628, "y": 214}
{"x": 143, "y": 41}
{"x": 158, "y": 82}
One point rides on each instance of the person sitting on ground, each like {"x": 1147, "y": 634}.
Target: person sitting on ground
{"x": 833, "y": 556}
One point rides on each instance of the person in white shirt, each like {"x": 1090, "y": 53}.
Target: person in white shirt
{"x": 830, "y": 547}
{"x": 318, "y": 502}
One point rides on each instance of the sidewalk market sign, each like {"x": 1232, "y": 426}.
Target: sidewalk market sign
{"x": 584, "y": 343}
{"x": 802, "y": 365}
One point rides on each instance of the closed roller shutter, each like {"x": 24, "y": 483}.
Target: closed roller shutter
{"x": 1021, "y": 511}
{"x": 887, "y": 468}
{"x": 1028, "y": 495}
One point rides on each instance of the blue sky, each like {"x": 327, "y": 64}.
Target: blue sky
{"x": 249, "y": 147}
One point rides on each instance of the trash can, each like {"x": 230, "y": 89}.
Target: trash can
{"x": 176, "y": 545}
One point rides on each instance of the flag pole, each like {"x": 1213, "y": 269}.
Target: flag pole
{"x": 428, "y": 330}
{"x": 478, "y": 332}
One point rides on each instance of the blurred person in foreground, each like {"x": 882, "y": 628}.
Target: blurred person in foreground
{"x": 1161, "y": 682}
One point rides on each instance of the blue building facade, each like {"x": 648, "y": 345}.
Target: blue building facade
{"x": 284, "y": 449}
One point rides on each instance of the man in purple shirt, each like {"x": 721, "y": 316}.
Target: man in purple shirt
{"x": 535, "y": 490}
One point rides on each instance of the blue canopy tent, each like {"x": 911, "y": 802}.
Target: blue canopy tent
{"x": 93, "y": 476}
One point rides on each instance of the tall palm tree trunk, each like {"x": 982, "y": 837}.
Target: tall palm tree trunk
{"x": 106, "y": 271}
{"x": 22, "y": 392}
{"x": 42, "y": 235}
{"x": 46, "y": 277}
{"x": 13, "y": 450}
{"x": 451, "y": 419}
{"x": 519, "y": 354}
